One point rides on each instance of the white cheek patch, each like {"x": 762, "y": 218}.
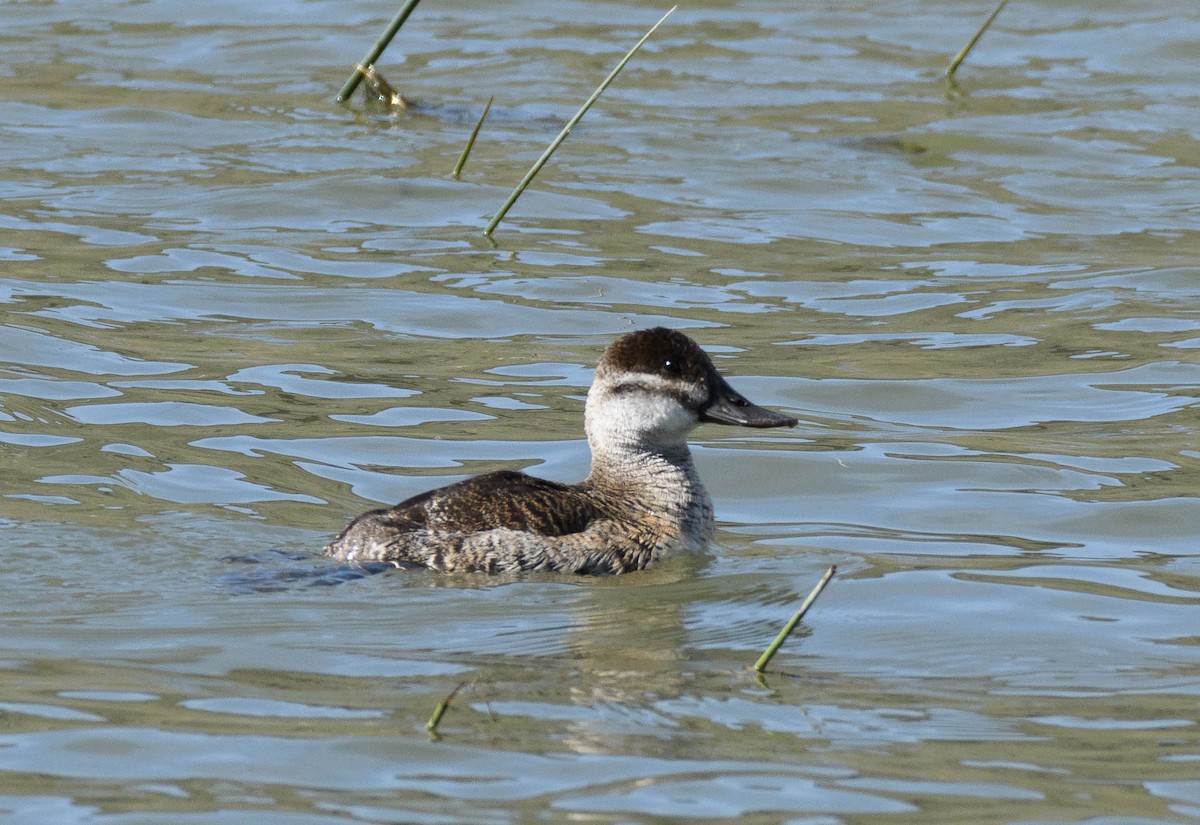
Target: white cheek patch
{"x": 643, "y": 408}
{"x": 637, "y": 411}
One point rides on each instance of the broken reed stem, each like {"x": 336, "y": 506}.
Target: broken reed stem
{"x": 962, "y": 53}
{"x": 554, "y": 144}
{"x": 770, "y": 652}
{"x": 382, "y": 43}
{"x": 440, "y": 710}
{"x": 462, "y": 159}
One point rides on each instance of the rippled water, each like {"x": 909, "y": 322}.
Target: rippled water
{"x": 236, "y": 314}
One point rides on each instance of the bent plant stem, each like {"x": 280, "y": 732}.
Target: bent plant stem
{"x": 441, "y": 708}
{"x": 773, "y": 648}
{"x": 373, "y": 54}
{"x": 462, "y": 159}
{"x": 554, "y": 144}
{"x": 962, "y": 53}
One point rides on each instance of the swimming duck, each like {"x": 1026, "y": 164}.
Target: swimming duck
{"x": 642, "y": 500}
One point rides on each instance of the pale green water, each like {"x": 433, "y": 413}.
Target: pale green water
{"x": 235, "y": 314}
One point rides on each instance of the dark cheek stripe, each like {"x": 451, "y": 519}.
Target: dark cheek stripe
{"x": 627, "y": 387}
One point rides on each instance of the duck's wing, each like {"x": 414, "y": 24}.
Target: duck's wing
{"x": 504, "y": 499}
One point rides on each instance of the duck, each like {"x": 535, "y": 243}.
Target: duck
{"x": 641, "y": 502}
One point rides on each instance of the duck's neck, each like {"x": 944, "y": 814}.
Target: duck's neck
{"x": 658, "y": 481}
{"x": 656, "y": 490}
{"x": 636, "y": 465}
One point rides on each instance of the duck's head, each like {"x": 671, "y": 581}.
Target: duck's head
{"x": 653, "y": 386}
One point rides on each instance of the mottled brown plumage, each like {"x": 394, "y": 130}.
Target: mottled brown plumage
{"x": 502, "y": 499}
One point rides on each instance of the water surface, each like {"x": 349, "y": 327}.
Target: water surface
{"x": 235, "y": 314}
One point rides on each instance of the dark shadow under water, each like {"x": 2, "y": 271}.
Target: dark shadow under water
{"x": 275, "y": 570}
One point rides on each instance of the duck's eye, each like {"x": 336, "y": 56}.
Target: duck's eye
{"x": 672, "y": 367}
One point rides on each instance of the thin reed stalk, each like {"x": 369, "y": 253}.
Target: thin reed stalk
{"x": 962, "y": 53}
{"x": 462, "y": 159}
{"x": 773, "y": 648}
{"x": 375, "y": 51}
{"x": 554, "y": 144}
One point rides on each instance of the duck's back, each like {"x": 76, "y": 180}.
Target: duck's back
{"x": 501, "y": 500}
{"x": 499, "y": 521}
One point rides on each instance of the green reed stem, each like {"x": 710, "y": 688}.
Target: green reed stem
{"x": 373, "y": 54}
{"x": 962, "y": 53}
{"x": 440, "y": 710}
{"x": 770, "y": 652}
{"x": 554, "y": 144}
{"x": 462, "y": 159}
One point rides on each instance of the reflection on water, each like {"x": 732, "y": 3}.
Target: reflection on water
{"x": 234, "y": 314}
